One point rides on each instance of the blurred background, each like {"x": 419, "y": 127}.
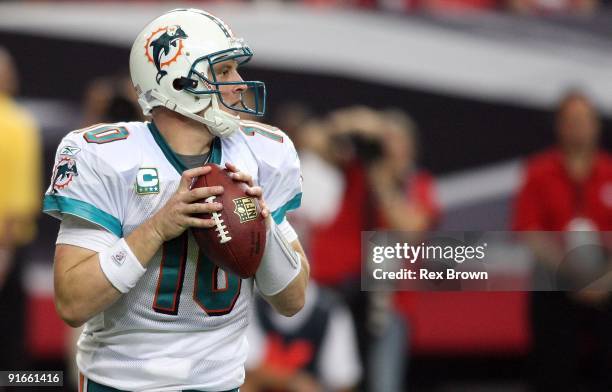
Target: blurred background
{"x": 407, "y": 115}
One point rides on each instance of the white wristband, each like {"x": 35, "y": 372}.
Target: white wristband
{"x": 120, "y": 266}
{"x": 280, "y": 264}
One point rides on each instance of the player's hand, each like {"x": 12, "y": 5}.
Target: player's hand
{"x": 254, "y": 191}
{"x": 177, "y": 215}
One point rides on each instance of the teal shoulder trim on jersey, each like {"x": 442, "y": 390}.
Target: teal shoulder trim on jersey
{"x": 216, "y": 151}
{"x": 161, "y": 142}
{"x": 67, "y": 205}
{"x": 215, "y": 154}
{"x": 279, "y": 214}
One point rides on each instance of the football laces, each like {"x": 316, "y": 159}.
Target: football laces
{"x": 220, "y": 226}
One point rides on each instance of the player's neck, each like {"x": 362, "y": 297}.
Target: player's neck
{"x": 183, "y": 135}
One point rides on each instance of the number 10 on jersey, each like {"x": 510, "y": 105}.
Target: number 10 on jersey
{"x": 214, "y": 298}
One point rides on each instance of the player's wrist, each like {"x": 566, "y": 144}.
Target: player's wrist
{"x": 280, "y": 263}
{"x": 154, "y": 231}
{"x": 120, "y": 266}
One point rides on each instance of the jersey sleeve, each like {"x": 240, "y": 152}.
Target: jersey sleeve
{"x": 78, "y": 232}
{"x": 86, "y": 186}
{"x": 282, "y": 182}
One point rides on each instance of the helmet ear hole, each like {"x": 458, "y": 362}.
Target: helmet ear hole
{"x": 178, "y": 84}
{"x": 183, "y": 82}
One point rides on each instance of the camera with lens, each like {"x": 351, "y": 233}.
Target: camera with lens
{"x": 369, "y": 150}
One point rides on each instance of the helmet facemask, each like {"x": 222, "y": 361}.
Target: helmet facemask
{"x": 255, "y": 89}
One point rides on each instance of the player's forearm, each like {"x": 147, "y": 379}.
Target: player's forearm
{"x": 291, "y": 300}
{"x": 84, "y": 290}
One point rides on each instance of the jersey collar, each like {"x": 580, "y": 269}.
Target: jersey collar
{"x": 215, "y": 153}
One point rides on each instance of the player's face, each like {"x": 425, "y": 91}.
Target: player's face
{"x": 227, "y": 71}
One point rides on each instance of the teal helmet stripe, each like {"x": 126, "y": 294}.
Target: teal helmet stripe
{"x": 218, "y": 21}
{"x": 220, "y": 24}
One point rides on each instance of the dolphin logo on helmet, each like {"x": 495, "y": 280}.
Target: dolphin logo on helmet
{"x": 163, "y": 45}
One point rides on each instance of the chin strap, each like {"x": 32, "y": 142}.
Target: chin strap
{"x": 225, "y": 123}
{"x": 219, "y": 122}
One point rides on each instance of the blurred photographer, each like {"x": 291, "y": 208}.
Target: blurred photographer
{"x": 371, "y": 157}
{"x": 384, "y": 145}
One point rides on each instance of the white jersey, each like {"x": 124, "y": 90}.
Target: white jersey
{"x": 183, "y": 325}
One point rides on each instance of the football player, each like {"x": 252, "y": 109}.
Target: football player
{"x": 158, "y": 315}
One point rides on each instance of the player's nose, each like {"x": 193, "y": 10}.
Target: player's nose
{"x": 239, "y": 88}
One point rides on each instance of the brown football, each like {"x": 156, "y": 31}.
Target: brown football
{"x": 238, "y": 240}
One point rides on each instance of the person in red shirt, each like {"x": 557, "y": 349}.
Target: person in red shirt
{"x": 568, "y": 188}
{"x": 382, "y": 189}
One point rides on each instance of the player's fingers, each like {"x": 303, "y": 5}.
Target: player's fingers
{"x": 190, "y": 175}
{"x": 231, "y": 167}
{"x": 202, "y": 193}
{"x": 254, "y": 191}
{"x": 202, "y": 208}
{"x": 242, "y": 177}
{"x": 265, "y": 212}
{"x": 201, "y": 223}
{"x": 237, "y": 175}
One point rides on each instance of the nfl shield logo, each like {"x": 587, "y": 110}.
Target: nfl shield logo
{"x": 245, "y": 209}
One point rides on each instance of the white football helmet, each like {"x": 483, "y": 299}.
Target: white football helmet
{"x": 171, "y": 64}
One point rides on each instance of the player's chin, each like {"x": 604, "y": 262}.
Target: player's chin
{"x": 228, "y": 109}
{"x": 234, "y": 112}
